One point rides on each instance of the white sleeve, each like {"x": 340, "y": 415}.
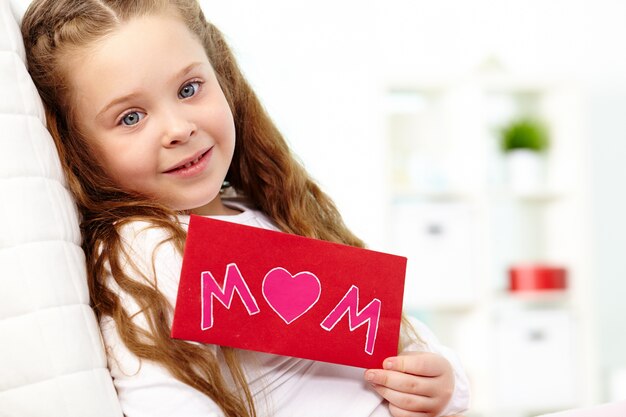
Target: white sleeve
{"x": 459, "y": 402}
{"x": 145, "y": 388}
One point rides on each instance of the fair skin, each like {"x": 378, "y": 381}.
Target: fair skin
{"x": 156, "y": 117}
{"x": 416, "y": 384}
{"x": 150, "y": 104}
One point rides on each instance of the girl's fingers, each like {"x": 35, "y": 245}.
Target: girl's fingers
{"x": 417, "y": 384}
{"x": 418, "y": 363}
{"x": 408, "y": 402}
{"x": 398, "y": 381}
{"x": 399, "y": 412}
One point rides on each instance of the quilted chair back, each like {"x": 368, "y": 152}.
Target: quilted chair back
{"x": 52, "y": 360}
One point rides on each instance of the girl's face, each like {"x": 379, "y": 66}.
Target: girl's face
{"x": 150, "y": 107}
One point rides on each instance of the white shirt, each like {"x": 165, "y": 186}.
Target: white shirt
{"x": 282, "y": 386}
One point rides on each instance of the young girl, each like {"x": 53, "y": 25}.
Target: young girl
{"x": 151, "y": 115}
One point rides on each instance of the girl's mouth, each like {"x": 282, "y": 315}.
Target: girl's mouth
{"x": 192, "y": 167}
{"x": 188, "y": 164}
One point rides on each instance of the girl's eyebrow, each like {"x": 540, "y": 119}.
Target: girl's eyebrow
{"x": 115, "y": 102}
{"x": 129, "y": 97}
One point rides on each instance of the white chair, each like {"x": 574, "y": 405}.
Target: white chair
{"x": 52, "y": 361}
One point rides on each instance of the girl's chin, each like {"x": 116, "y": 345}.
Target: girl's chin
{"x": 214, "y": 207}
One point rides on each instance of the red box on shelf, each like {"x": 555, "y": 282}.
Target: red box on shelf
{"x": 537, "y": 278}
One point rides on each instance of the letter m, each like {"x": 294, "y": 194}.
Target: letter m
{"x": 350, "y": 304}
{"x": 233, "y": 281}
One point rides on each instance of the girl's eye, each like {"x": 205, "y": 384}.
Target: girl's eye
{"x": 189, "y": 89}
{"x": 132, "y": 118}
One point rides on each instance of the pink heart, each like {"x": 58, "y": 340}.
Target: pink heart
{"x": 290, "y": 296}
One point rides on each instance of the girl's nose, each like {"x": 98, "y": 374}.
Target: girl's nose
{"x": 178, "y": 131}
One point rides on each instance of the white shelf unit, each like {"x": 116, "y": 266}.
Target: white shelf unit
{"x": 454, "y": 215}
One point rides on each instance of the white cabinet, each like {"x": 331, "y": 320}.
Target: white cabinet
{"x": 535, "y": 360}
{"x": 454, "y": 214}
{"x": 438, "y": 240}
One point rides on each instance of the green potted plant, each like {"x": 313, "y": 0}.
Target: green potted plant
{"x": 527, "y": 133}
{"x": 524, "y": 142}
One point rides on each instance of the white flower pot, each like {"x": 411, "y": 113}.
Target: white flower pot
{"x": 525, "y": 170}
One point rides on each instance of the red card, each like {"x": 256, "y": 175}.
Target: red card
{"x": 268, "y": 291}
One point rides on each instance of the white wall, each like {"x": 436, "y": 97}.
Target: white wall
{"x": 608, "y": 134}
{"x": 313, "y": 66}
{"x": 605, "y": 78}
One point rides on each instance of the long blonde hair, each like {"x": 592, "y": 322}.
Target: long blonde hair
{"x": 263, "y": 169}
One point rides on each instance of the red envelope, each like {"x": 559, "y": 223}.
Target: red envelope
{"x": 268, "y": 291}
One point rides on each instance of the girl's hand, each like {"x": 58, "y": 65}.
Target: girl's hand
{"x": 416, "y": 384}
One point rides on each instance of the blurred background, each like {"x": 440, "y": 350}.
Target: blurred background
{"x": 485, "y": 140}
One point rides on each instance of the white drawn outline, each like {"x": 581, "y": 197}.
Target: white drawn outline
{"x": 252, "y": 311}
{"x": 369, "y": 348}
{"x": 319, "y": 293}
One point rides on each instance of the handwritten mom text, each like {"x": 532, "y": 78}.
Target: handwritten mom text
{"x": 290, "y": 297}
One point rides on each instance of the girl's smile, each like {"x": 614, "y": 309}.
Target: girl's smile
{"x": 151, "y": 108}
{"x": 191, "y": 166}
